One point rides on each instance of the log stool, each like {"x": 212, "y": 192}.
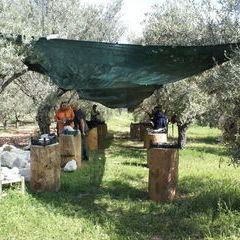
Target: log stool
{"x": 96, "y": 136}
{"x": 143, "y": 131}
{"x": 70, "y": 149}
{"x": 45, "y": 168}
{"x": 102, "y": 132}
{"x": 152, "y": 137}
{"x": 135, "y": 130}
{"x": 92, "y": 139}
{"x": 163, "y": 173}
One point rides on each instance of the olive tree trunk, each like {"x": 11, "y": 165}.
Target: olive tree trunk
{"x": 43, "y": 116}
{"x": 182, "y": 137}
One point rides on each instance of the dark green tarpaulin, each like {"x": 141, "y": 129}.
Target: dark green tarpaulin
{"x": 120, "y": 75}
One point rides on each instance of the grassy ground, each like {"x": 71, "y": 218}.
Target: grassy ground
{"x": 107, "y": 199}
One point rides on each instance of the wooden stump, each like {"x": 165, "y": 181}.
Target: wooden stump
{"x": 135, "y": 130}
{"x": 101, "y": 132}
{"x": 96, "y": 136}
{"x": 163, "y": 173}
{"x": 92, "y": 139}
{"x": 143, "y": 132}
{"x": 154, "y": 138}
{"x": 45, "y": 168}
{"x": 70, "y": 149}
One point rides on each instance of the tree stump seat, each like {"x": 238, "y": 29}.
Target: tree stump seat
{"x": 70, "y": 149}
{"x": 154, "y": 137}
{"x": 163, "y": 173}
{"x": 135, "y": 130}
{"x": 96, "y": 136}
{"x": 45, "y": 168}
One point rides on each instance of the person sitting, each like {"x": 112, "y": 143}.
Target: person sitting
{"x": 159, "y": 119}
{"x": 81, "y": 124}
{"x": 64, "y": 117}
{"x": 96, "y": 117}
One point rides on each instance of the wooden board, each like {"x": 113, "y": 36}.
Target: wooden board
{"x": 45, "y": 168}
{"x": 19, "y": 179}
{"x": 163, "y": 173}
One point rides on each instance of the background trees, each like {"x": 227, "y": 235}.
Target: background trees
{"x": 190, "y": 22}
{"x": 35, "y": 18}
{"x": 174, "y": 22}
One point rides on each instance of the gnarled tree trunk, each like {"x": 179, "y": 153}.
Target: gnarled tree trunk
{"x": 44, "y": 109}
{"x": 182, "y": 137}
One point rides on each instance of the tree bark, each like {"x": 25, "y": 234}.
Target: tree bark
{"x": 5, "y": 124}
{"x": 45, "y": 168}
{"x": 43, "y": 118}
{"x": 11, "y": 79}
{"x": 182, "y": 137}
{"x": 16, "y": 120}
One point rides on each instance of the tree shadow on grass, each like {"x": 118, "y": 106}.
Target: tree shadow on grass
{"x": 127, "y": 208}
{"x": 107, "y": 141}
{"x": 181, "y": 218}
{"x": 142, "y": 218}
{"x": 208, "y": 139}
{"x": 210, "y": 150}
{"x": 136, "y": 164}
{"x": 119, "y": 135}
{"x": 128, "y": 152}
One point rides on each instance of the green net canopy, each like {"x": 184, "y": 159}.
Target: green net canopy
{"x": 120, "y": 75}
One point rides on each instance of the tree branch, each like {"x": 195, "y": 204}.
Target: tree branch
{"x": 12, "y": 78}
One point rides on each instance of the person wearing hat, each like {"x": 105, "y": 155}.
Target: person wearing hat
{"x": 81, "y": 124}
{"x": 64, "y": 117}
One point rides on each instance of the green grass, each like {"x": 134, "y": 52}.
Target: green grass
{"x": 107, "y": 199}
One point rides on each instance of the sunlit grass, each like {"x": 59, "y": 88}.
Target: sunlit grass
{"x": 107, "y": 199}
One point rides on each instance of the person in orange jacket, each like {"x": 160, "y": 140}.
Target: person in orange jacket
{"x": 64, "y": 117}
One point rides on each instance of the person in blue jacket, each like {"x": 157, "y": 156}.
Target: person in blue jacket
{"x": 159, "y": 119}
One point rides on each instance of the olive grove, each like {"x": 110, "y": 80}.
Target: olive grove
{"x": 189, "y": 22}
{"x": 32, "y": 19}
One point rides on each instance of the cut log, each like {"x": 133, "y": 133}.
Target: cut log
{"x": 143, "y": 131}
{"x": 70, "y": 149}
{"x": 102, "y": 133}
{"x": 45, "y": 168}
{"x": 135, "y": 130}
{"x": 92, "y": 139}
{"x": 151, "y": 138}
{"x": 163, "y": 173}
{"x": 96, "y": 136}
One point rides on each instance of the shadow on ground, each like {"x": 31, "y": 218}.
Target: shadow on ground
{"x": 127, "y": 208}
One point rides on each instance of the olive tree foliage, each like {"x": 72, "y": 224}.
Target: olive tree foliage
{"x": 223, "y": 86}
{"x": 68, "y": 19}
{"x": 189, "y": 22}
{"x": 184, "y": 100}
{"x": 11, "y": 65}
{"x": 15, "y": 106}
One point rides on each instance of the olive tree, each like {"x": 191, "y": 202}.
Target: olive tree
{"x": 15, "y": 106}
{"x": 69, "y": 19}
{"x": 189, "y": 22}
